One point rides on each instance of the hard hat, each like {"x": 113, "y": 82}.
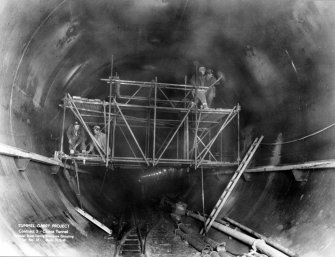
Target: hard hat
{"x": 76, "y": 123}
{"x": 202, "y": 68}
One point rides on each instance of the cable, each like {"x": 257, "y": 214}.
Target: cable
{"x": 301, "y": 138}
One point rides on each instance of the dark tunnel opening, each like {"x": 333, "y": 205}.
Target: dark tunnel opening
{"x": 278, "y": 60}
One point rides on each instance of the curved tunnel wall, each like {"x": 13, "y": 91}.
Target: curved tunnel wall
{"x": 278, "y": 58}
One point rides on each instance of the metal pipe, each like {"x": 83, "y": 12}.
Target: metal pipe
{"x": 187, "y": 155}
{"x": 225, "y": 123}
{"x": 210, "y": 153}
{"x": 150, "y": 84}
{"x": 147, "y": 135}
{"x": 215, "y": 137}
{"x": 238, "y": 134}
{"x": 131, "y": 132}
{"x": 170, "y": 102}
{"x": 136, "y": 106}
{"x": 203, "y": 196}
{"x": 195, "y": 143}
{"x": 193, "y": 240}
{"x": 78, "y": 115}
{"x": 213, "y": 244}
{"x": 205, "y": 131}
{"x": 221, "y": 148}
{"x": 109, "y": 111}
{"x": 166, "y": 138}
{"x": 260, "y": 245}
{"x": 174, "y": 134}
{"x": 178, "y": 135}
{"x": 113, "y": 134}
{"x": 267, "y": 240}
{"x": 105, "y": 118}
{"x": 125, "y": 137}
{"x": 154, "y": 133}
{"x": 132, "y": 96}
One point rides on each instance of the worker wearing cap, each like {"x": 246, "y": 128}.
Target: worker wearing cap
{"x": 100, "y": 140}
{"x": 77, "y": 137}
{"x": 198, "y": 80}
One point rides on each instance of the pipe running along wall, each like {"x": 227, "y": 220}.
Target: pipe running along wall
{"x": 278, "y": 59}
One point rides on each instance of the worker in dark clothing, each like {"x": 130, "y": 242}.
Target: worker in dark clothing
{"x": 198, "y": 80}
{"x": 76, "y": 136}
{"x": 100, "y": 140}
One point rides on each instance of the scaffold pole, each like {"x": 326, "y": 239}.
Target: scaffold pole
{"x": 131, "y": 132}
{"x": 174, "y": 134}
{"x": 238, "y": 134}
{"x": 155, "y": 116}
{"x": 78, "y": 115}
{"x": 109, "y": 111}
{"x": 63, "y": 128}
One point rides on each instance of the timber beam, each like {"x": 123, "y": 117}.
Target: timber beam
{"x": 22, "y": 158}
{"x": 322, "y": 164}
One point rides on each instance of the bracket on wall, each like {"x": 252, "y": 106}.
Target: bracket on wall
{"x": 301, "y": 175}
{"x": 21, "y": 163}
{"x": 55, "y": 169}
{"x": 247, "y": 176}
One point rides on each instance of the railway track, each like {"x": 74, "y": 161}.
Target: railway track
{"x": 132, "y": 243}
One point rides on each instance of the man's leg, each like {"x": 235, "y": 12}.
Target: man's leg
{"x": 82, "y": 146}
{"x": 202, "y": 97}
{"x": 210, "y": 94}
{"x": 71, "y": 145}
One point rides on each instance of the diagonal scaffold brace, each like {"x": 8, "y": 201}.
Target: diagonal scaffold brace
{"x": 207, "y": 148}
{"x": 173, "y": 135}
{"x": 131, "y": 132}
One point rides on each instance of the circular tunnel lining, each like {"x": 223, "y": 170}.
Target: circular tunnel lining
{"x": 278, "y": 60}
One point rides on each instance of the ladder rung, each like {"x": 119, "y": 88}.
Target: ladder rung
{"x": 229, "y": 188}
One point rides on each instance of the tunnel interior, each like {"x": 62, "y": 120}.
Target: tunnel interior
{"x": 278, "y": 59}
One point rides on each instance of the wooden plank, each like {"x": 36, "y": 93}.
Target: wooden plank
{"x": 94, "y": 221}
{"x": 16, "y": 152}
{"x": 20, "y": 153}
{"x": 322, "y": 164}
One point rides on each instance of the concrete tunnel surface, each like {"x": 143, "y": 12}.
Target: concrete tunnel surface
{"x": 278, "y": 57}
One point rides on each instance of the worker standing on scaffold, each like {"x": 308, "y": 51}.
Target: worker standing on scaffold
{"x": 198, "y": 80}
{"x": 210, "y": 84}
{"x": 77, "y": 137}
{"x": 101, "y": 140}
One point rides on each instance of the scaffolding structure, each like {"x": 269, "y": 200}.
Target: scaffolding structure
{"x": 152, "y": 124}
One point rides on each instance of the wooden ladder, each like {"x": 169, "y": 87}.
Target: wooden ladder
{"x": 233, "y": 181}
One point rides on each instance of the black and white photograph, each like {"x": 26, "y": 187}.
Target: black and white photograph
{"x": 167, "y": 128}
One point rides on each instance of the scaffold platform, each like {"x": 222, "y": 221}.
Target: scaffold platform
{"x": 151, "y": 124}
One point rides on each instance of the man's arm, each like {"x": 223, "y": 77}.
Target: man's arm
{"x": 91, "y": 147}
{"x": 192, "y": 81}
